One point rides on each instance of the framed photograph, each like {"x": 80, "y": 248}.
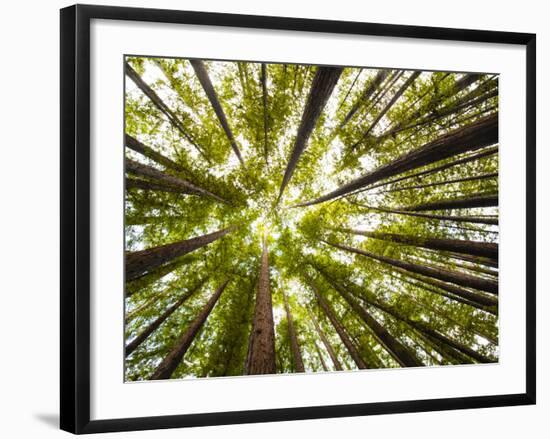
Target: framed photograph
{"x": 268, "y": 218}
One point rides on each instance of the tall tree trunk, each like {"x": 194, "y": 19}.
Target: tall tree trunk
{"x": 167, "y": 367}
{"x": 483, "y": 132}
{"x": 326, "y": 343}
{"x": 204, "y": 79}
{"x": 159, "y": 103}
{"x": 294, "y": 345}
{"x": 470, "y": 296}
{"x": 457, "y": 203}
{"x": 150, "y": 153}
{"x": 475, "y": 248}
{"x": 261, "y": 347}
{"x": 143, "y": 261}
{"x": 355, "y": 355}
{"x": 443, "y": 183}
{"x": 398, "y": 351}
{"x": 367, "y": 94}
{"x": 185, "y": 186}
{"x": 470, "y": 158}
{"x": 388, "y": 106}
{"x": 264, "y": 105}
{"x": 323, "y": 84}
{"x": 462, "y": 279}
{"x": 134, "y": 344}
{"x": 457, "y": 219}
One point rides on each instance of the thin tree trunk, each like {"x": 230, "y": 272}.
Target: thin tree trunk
{"x": 481, "y": 261}
{"x": 134, "y": 183}
{"x": 467, "y": 80}
{"x": 261, "y": 347}
{"x": 479, "y": 134}
{"x": 149, "y": 219}
{"x": 143, "y": 262}
{"x": 204, "y": 79}
{"x": 326, "y": 343}
{"x": 388, "y": 106}
{"x": 174, "y": 120}
{"x": 139, "y": 282}
{"x": 321, "y": 359}
{"x": 485, "y": 301}
{"x": 337, "y": 326}
{"x": 264, "y": 102}
{"x": 482, "y": 154}
{"x": 458, "y": 219}
{"x": 369, "y": 91}
{"x": 150, "y": 153}
{"x": 398, "y": 351}
{"x": 134, "y": 344}
{"x": 167, "y": 367}
{"x": 322, "y": 87}
{"x": 462, "y": 279}
{"x": 456, "y": 107}
{"x": 457, "y": 203}
{"x": 443, "y": 183}
{"x": 294, "y": 345}
{"x": 475, "y": 248}
{"x": 185, "y": 186}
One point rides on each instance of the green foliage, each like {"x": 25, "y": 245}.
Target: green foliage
{"x": 299, "y": 238}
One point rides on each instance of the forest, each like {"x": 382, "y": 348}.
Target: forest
{"x": 286, "y": 218}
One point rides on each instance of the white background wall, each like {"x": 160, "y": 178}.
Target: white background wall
{"x": 29, "y": 169}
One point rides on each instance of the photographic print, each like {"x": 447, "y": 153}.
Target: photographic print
{"x": 288, "y": 218}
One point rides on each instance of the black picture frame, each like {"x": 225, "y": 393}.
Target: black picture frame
{"x": 75, "y": 217}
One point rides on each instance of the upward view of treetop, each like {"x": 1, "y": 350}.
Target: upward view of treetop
{"x": 285, "y": 218}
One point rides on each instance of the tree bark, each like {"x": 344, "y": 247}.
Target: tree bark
{"x": 185, "y": 186}
{"x": 261, "y": 347}
{"x": 360, "y": 363}
{"x": 134, "y": 344}
{"x": 204, "y": 79}
{"x": 479, "y": 134}
{"x": 462, "y": 279}
{"x": 294, "y": 345}
{"x": 326, "y": 343}
{"x": 322, "y": 87}
{"x": 475, "y": 248}
{"x": 143, "y": 262}
{"x": 167, "y": 367}
{"x": 159, "y": 103}
{"x": 457, "y": 203}
{"x": 458, "y": 219}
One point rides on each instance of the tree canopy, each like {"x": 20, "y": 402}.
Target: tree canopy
{"x": 288, "y": 218}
